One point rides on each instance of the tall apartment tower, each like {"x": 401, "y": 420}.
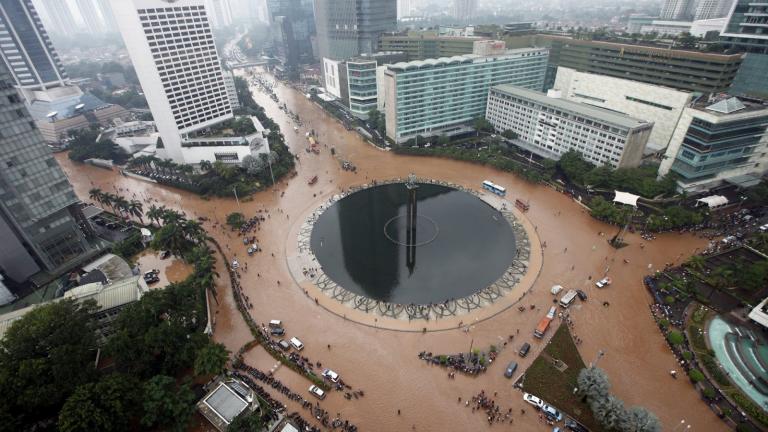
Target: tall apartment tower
{"x": 404, "y": 8}
{"x": 27, "y": 50}
{"x": 709, "y": 9}
{"x": 90, "y": 15}
{"x": 464, "y": 10}
{"x": 39, "y": 215}
{"x": 677, "y": 10}
{"x": 105, "y": 9}
{"x": 220, "y": 13}
{"x": 293, "y": 25}
{"x": 59, "y": 14}
{"x": 172, "y": 49}
{"x": 747, "y": 32}
{"x": 347, "y": 28}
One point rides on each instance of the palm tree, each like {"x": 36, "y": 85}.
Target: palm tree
{"x": 121, "y": 204}
{"x": 155, "y": 213}
{"x": 721, "y": 276}
{"x": 193, "y": 230}
{"x": 95, "y": 194}
{"x": 696, "y": 262}
{"x": 108, "y": 199}
{"x": 172, "y": 217}
{"x": 206, "y": 165}
{"x": 135, "y": 208}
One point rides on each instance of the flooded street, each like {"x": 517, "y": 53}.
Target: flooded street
{"x": 384, "y": 363}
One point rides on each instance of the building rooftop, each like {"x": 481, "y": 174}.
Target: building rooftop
{"x": 226, "y": 401}
{"x": 603, "y": 115}
{"x": 724, "y": 105}
{"x": 106, "y": 296}
{"x": 659, "y": 50}
{"x": 466, "y": 58}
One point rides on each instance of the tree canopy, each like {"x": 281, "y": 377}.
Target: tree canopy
{"x": 107, "y": 405}
{"x": 44, "y": 356}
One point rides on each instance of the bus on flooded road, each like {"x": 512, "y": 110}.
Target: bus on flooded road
{"x": 492, "y": 187}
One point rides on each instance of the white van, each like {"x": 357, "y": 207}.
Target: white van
{"x": 275, "y": 323}
{"x": 297, "y": 344}
{"x": 568, "y": 298}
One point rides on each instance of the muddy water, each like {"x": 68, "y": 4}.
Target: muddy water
{"x": 171, "y": 269}
{"x": 384, "y": 362}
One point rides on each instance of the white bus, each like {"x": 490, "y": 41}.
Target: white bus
{"x": 568, "y": 298}
{"x": 491, "y": 187}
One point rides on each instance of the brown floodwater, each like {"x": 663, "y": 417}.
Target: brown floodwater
{"x": 172, "y": 269}
{"x": 383, "y": 362}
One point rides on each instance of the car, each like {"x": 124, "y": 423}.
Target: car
{"x": 317, "y": 392}
{"x": 582, "y": 295}
{"x": 296, "y": 343}
{"x": 551, "y": 413}
{"x": 284, "y": 345}
{"x": 331, "y": 375}
{"x": 524, "y": 349}
{"x": 511, "y": 368}
{"x": 574, "y": 426}
{"x": 603, "y": 282}
{"x": 164, "y": 254}
{"x": 276, "y": 331}
{"x": 533, "y": 400}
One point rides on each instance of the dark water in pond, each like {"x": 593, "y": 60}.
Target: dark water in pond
{"x": 463, "y": 244}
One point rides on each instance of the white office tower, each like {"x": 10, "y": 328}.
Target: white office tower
{"x": 220, "y": 13}
{"x": 677, "y": 10}
{"x": 91, "y": 19}
{"x": 172, "y": 48}
{"x": 709, "y": 9}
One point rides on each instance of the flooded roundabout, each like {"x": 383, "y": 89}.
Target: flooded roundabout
{"x": 378, "y": 353}
{"x": 413, "y": 250}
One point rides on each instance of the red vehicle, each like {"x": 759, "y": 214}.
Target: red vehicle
{"x": 523, "y": 206}
{"x": 543, "y": 325}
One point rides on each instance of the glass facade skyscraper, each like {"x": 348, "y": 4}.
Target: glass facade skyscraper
{"x": 293, "y": 25}
{"x": 714, "y": 142}
{"x": 27, "y": 50}
{"x": 38, "y": 209}
{"x": 347, "y": 28}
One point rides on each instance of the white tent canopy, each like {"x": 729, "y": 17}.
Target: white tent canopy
{"x": 713, "y": 201}
{"x": 626, "y": 198}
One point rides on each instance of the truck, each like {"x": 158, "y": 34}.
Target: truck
{"x": 568, "y": 298}
{"x": 544, "y": 323}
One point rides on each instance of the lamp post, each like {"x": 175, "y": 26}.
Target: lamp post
{"x": 600, "y": 355}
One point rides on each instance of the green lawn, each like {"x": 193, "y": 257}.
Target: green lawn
{"x": 555, "y": 387}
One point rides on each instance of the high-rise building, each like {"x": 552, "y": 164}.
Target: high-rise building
{"x": 443, "y": 96}
{"x": 60, "y": 15}
{"x": 39, "y": 213}
{"x": 229, "y": 84}
{"x": 347, "y": 28}
{"x": 464, "y": 10}
{"x": 105, "y": 10}
{"x": 659, "y": 105}
{"x": 677, "y": 10}
{"x": 716, "y": 141}
{"x": 293, "y": 25}
{"x": 220, "y": 13}
{"x": 680, "y": 69}
{"x": 404, "y": 8}
{"x": 172, "y": 49}
{"x": 709, "y": 9}
{"x": 26, "y": 49}
{"x": 747, "y": 31}
{"x": 90, "y": 14}
{"x": 550, "y": 126}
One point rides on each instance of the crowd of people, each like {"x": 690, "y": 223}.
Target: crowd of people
{"x": 320, "y": 414}
{"x": 482, "y": 402}
{"x": 471, "y": 363}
